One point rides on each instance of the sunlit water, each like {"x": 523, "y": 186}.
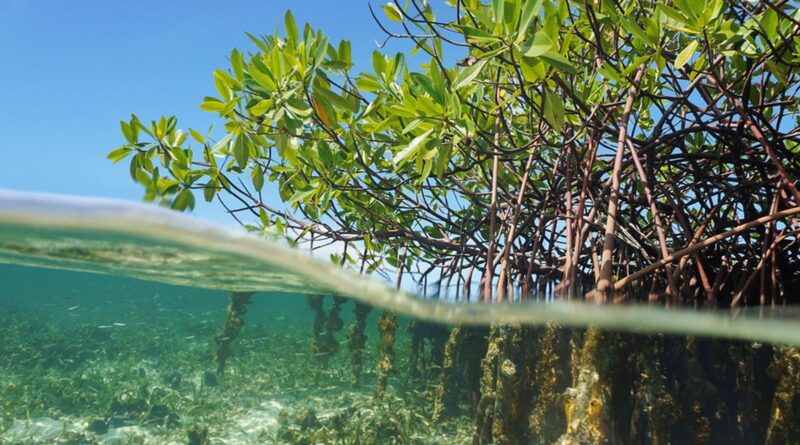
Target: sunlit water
{"x": 109, "y": 311}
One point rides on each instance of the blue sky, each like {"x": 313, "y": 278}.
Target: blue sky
{"x": 70, "y": 70}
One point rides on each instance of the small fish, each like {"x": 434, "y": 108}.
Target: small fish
{"x": 120, "y": 324}
{"x": 189, "y": 337}
{"x": 74, "y": 307}
{"x": 105, "y": 326}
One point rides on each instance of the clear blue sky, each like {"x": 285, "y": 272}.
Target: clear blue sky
{"x": 70, "y": 70}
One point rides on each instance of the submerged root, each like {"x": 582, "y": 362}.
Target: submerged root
{"x": 323, "y": 340}
{"x": 488, "y": 384}
{"x": 315, "y": 304}
{"x": 504, "y": 382}
{"x": 460, "y": 371}
{"x": 548, "y": 383}
{"x": 437, "y": 336}
{"x": 584, "y": 401}
{"x": 754, "y": 389}
{"x": 387, "y": 329}
{"x": 448, "y": 390}
{"x": 233, "y": 324}
{"x": 784, "y": 420}
{"x": 652, "y": 409}
{"x": 417, "y": 348}
{"x": 357, "y": 340}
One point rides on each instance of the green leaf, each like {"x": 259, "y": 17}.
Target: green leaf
{"x": 558, "y": 62}
{"x": 344, "y": 53}
{"x": 265, "y": 80}
{"x": 209, "y": 190}
{"x": 197, "y": 136}
{"x": 241, "y": 151}
{"x": 637, "y": 32}
{"x": 426, "y": 171}
{"x": 379, "y": 63}
{"x": 393, "y": 12}
{"x": 184, "y": 200}
{"x": 302, "y": 194}
{"x": 468, "y": 74}
{"x": 412, "y": 148}
{"x": 237, "y": 63}
{"x": 119, "y": 154}
{"x": 769, "y": 21}
{"x": 684, "y": 7}
{"x": 530, "y": 10}
{"x": 714, "y": 10}
{"x": 368, "y": 83}
{"x": 686, "y": 54}
{"x": 298, "y": 107}
{"x": 291, "y": 27}
{"x": 261, "y": 107}
{"x": 476, "y": 35}
{"x": 325, "y": 154}
{"x": 258, "y": 177}
{"x": 131, "y": 133}
{"x": 553, "y": 110}
{"x": 435, "y": 90}
{"x": 540, "y": 44}
{"x": 497, "y": 10}
{"x": 674, "y": 14}
{"x": 212, "y": 105}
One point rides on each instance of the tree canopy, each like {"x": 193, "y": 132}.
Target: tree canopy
{"x": 519, "y": 148}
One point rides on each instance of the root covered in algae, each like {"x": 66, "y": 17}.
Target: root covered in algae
{"x": 549, "y": 381}
{"x": 583, "y": 404}
{"x": 784, "y": 419}
{"x": 387, "y": 329}
{"x": 357, "y": 341}
{"x": 323, "y": 339}
{"x": 460, "y": 371}
{"x": 448, "y": 389}
{"x": 417, "y": 348}
{"x": 419, "y": 331}
{"x": 502, "y": 409}
{"x": 234, "y": 322}
{"x": 652, "y": 410}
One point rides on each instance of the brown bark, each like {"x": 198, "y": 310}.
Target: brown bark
{"x": 604, "y": 285}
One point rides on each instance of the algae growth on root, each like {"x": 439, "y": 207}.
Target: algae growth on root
{"x": 460, "y": 370}
{"x": 387, "y": 328}
{"x": 357, "y": 341}
{"x": 323, "y": 340}
{"x": 233, "y": 324}
{"x": 502, "y": 409}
